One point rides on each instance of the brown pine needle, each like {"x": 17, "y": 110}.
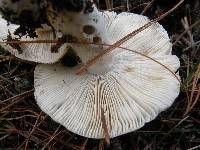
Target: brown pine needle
{"x": 105, "y": 128}
{"x": 147, "y": 7}
{"x": 186, "y": 30}
{"x": 6, "y": 58}
{"x": 109, "y": 4}
{"x": 31, "y": 42}
{"x": 16, "y": 99}
{"x": 84, "y": 144}
{"x": 196, "y": 99}
{"x": 191, "y": 102}
{"x": 33, "y": 129}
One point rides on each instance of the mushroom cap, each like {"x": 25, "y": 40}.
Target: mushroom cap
{"x": 134, "y": 90}
{"x": 36, "y": 52}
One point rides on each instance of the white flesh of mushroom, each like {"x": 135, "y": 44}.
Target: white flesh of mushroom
{"x": 36, "y": 52}
{"x": 131, "y": 89}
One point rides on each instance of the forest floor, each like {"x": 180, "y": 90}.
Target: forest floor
{"x": 24, "y": 126}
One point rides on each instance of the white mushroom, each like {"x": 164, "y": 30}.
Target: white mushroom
{"x": 131, "y": 89}
{"x": 37, "y": 52}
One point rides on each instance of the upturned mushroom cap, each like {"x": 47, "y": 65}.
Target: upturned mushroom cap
{"x": 131, "y": 89}
{"x": 36, "y": 52}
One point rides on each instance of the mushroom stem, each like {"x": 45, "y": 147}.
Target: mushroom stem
{"x": 84, "y": 26}
{"x": 93, "y": 33}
